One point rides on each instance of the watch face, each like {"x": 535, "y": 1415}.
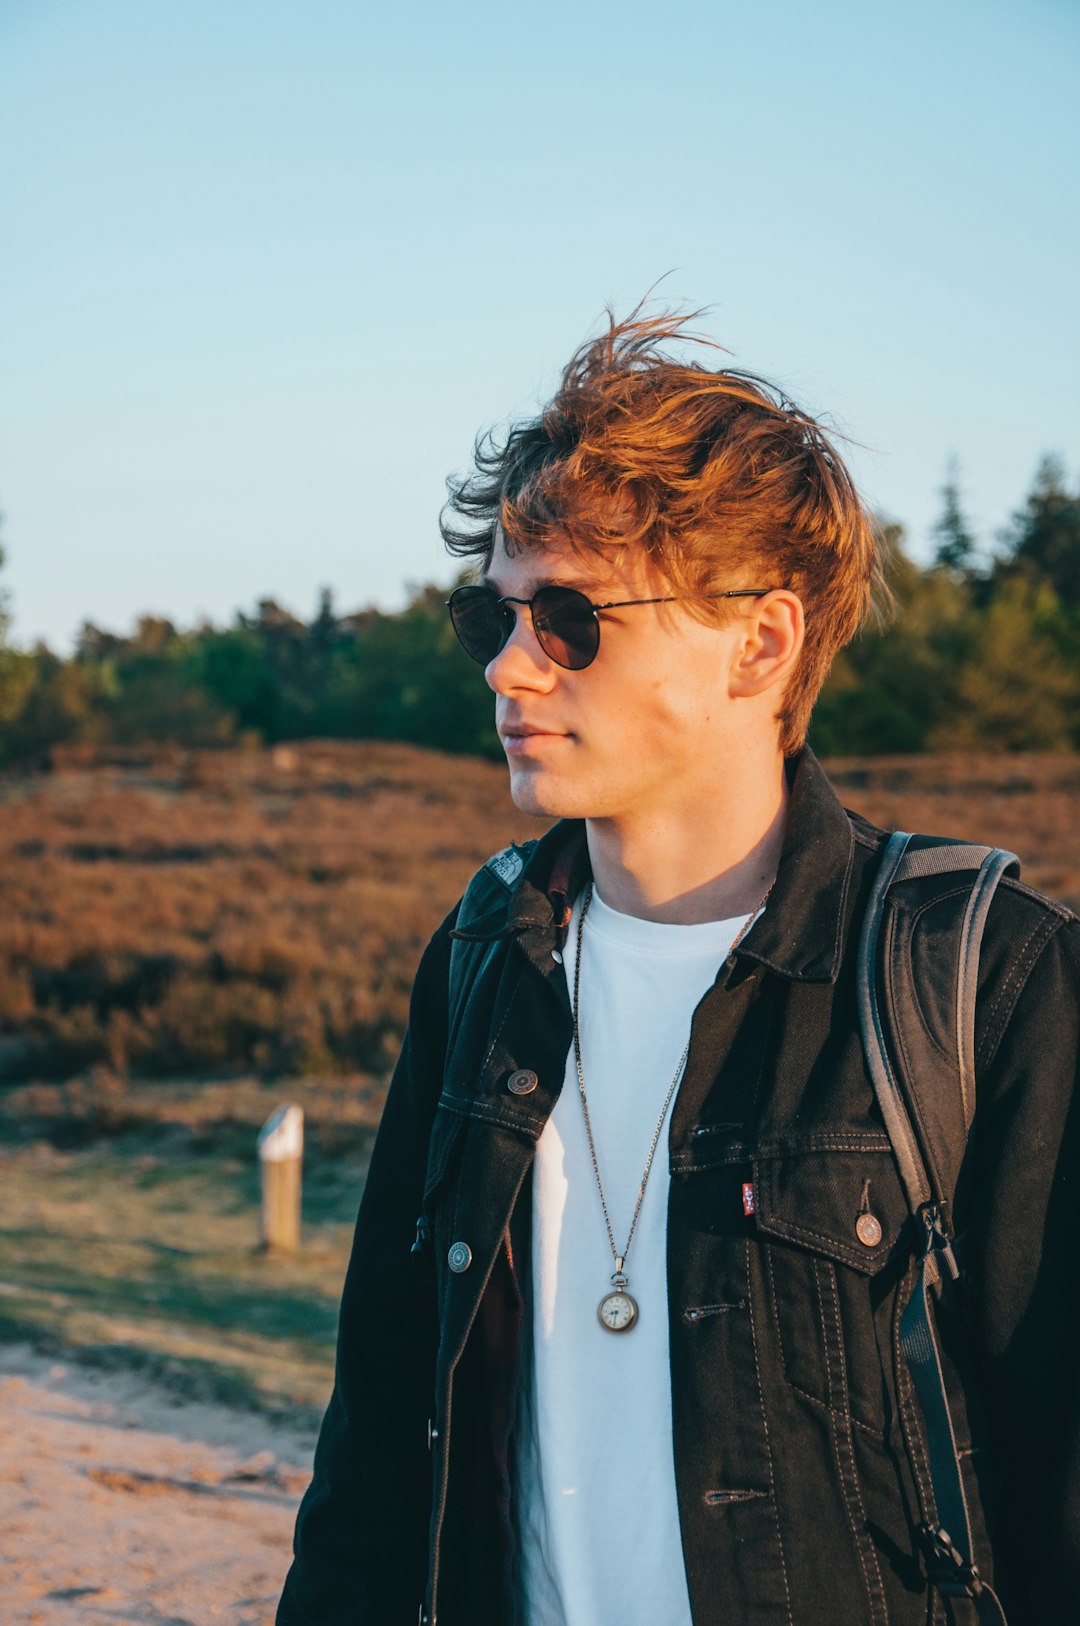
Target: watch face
{"x": 618, "y": 1312}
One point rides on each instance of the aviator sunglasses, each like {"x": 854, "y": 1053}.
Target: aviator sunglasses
{"x": 565, "y": 622}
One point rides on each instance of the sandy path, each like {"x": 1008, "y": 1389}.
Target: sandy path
{"x": 120, "y": 1505}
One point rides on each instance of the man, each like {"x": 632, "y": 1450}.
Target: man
{"x": 619, "y": 1335}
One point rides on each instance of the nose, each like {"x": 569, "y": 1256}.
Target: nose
{"x": 521, "y": 662}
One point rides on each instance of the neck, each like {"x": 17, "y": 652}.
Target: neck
{"x": 684, "y": 865}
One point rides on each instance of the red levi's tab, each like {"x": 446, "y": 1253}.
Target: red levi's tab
{"x": 748, "y": 1198}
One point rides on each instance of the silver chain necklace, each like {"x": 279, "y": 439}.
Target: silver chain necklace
{"x": 618, "y": 1310}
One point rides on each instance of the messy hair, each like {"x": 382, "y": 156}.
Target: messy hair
{"x": 712, "y": 471}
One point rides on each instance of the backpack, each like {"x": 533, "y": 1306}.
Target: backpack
{"x": 927, "y": 1099}
{"x": 928, "y": 1110}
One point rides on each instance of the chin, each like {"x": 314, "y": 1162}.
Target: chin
{"x": 529, "y": 798}
{"x": 547, "y": 799}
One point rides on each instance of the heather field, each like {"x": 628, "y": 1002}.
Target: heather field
{"x": 189, "y": 939}
{"x": 215, "y": 912}
{"x": 207, "y": 911}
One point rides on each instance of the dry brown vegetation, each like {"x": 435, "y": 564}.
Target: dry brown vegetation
{"x": 207, "y": 911}
{"x": 1027, "y": 804}
{"x": 219, "y": 912}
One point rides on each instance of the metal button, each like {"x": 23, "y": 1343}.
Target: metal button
{"x": 522, "y": 1082}
{"x": 868, "y": 1230}
{"x": 460, "y": 1257}
{"x": 432, "y": 1434}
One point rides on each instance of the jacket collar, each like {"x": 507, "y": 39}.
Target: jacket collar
{"x": 801, "y": 931}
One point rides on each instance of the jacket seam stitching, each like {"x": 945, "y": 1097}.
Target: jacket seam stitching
{"x": 856, "y": 1422}
{"x": 841, "y": 913}
{"x": 467, "y": 1107}
{"x": 1013, "y": 985}
{"x": 768, "y": 1442}
{"x": 505, "y": 1018}
{"x": 865, "y": 1140}
{"x": 845, "y": 1458}
{"x": 772, "y": 1152}
{"x": 1059, "y": 908}
{"x": 1020, "y": 968}
{"x": 839, "y": 1249}
{"x": 872, "y": 1429}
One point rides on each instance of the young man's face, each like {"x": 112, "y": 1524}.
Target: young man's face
{"x": 642, "y": 729}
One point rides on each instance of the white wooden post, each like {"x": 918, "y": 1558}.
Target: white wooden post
{"x": 281, "y": 1154}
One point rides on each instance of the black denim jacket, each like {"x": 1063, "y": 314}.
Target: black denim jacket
{"x": 798, "y": 1448}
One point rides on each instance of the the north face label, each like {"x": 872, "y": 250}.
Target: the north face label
{"x": 506, "y": 866}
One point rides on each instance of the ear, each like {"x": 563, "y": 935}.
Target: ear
{"x": 772, "y": 638}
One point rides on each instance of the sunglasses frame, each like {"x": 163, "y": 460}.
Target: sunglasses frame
{"x": 614, "y": 604}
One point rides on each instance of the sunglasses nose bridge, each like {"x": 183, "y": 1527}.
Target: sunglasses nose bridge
{"x": 513, "y": 613}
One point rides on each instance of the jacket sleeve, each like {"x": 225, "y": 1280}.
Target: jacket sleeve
{"x": 360, "y": 1545}
{"x": 1029, "y": 1173}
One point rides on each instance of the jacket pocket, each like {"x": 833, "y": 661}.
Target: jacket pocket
{"x": 836, "y": 1241}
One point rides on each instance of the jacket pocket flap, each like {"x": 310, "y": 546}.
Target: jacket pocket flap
{"x": 846, "y": 1204}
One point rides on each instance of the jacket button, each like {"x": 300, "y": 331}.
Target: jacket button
{"x": 432, "y": 1434}
{"x": 523, "y": 1082}
{"x": 459, "y": 1258}
{"x": 868, "y": 1230}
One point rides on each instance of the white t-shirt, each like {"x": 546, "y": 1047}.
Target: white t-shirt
{"x": 597, "y": 1518}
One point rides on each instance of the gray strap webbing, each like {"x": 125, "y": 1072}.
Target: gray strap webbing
{"x": 992, "y": 868}
{"x": 886, "y": 1085}
{"x": 991, "y": 862}
{"x": 946, "y": 856}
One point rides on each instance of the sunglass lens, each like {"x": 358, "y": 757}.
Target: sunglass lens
{"x": 479, "y": 621}
{"x": 565, "y": 626}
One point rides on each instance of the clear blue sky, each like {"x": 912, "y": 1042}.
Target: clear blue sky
{"x": 268, "y": 267}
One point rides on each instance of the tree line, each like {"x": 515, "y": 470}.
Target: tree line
{"x": 982, "y": 652}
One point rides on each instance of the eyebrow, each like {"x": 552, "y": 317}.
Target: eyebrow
{"x": 582, "y": 585}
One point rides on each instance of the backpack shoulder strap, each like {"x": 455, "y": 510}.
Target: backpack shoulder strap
{"x": 887, "y": 1012}
{"x": 475, "y": 939}
{"x": 476, "y": 935}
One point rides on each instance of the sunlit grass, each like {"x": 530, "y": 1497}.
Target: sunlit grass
{"x": 132, "y": 1253}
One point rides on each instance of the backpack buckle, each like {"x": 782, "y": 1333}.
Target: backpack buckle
{"x": 938, "y": 1245}
{"x": 946, "y": 1567}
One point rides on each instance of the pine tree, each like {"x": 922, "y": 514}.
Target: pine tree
{"x": 955, "y": 542}
{"x": 1043, "y": 539}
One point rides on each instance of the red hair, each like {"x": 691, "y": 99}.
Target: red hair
{"x": 714, "y": 473}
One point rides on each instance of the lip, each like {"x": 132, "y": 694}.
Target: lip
{"x": 521, "y": 738}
